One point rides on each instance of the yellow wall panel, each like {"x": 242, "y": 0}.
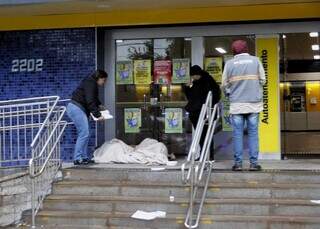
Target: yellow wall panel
{"x": 165, "y": 16}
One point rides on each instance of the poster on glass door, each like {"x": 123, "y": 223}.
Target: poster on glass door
{"x": 226, "y": 117}
{"x": 142, "y": 71}
{"x": 173, "y": 120}
{"x": 162, "y": 71}
{"x": 124, "y": 73}
{"x": 132, "y": 120}
{"x": 213, "y": 65}
{"x": 181, "y": 71}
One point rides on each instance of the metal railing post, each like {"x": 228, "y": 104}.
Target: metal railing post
{"x": 40, "y": 121}
{"x": 196, "y": 171}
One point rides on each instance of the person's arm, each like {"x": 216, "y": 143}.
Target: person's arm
{"x": 91, "y": 96}
{"x": 187, "y": 91}
{"x": 262, "y": 74}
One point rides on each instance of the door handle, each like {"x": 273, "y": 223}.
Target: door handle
{"x": 144, "y": 101}
{"x": 161, "y": 104}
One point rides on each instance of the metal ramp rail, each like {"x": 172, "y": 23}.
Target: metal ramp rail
{"x": 30, "y": 131}
{"x": 195, "y": 174}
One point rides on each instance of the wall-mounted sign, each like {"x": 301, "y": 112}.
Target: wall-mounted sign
{"x": 27, "y": 65}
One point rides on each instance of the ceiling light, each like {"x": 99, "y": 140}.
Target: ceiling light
{"x": 187, "y": 38}
{"x": 119, "y": 41}
{"x": 284, "y": 36}
{"x": 314, "y": 34}
{"x": 221, "y": 50}
{"x": 316, "y": 57}
{"x": 315, "y": 47}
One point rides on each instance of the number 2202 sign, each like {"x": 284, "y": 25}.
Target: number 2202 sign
{"x": 27, "y": 65}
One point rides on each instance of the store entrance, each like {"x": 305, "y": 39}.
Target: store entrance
{"x": 150, "y": 76}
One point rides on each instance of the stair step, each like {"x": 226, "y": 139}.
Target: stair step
{"x": 215, "y": 190}
{"x": 180, "y": 205}
{"x": 122, "y": 219}
{"x": 174, "y": 176}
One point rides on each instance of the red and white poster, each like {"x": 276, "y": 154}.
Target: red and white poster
{"x": 162, "y": 71}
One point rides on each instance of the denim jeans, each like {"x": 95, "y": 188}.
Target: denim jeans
{"x": 238, "y": 122}
{"x": 81, "y": 122}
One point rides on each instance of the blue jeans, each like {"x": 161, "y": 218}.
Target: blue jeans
{"x": 238, "y": 121}
{"x": 81, "y": 122}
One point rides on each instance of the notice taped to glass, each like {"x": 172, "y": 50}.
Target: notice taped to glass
{"x": 213, "y": 65}
{"x": 181, "y": 71}
{"x": 162, "y": 71}
{"x": 142, "y": 71}
{"x": 132, "y": 120}
{"x": 173, "y": 120}
{"x": 124, "y": 74}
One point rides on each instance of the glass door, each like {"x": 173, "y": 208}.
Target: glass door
{"x": 300, "y": 95}
{"x": 149, "y": 97}
{"x": 217, "y": 52}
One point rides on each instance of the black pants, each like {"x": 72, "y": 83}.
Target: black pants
{"x": 194, "y": 118}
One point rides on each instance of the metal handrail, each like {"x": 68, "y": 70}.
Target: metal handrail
{"x": 36, "y": 138}
{"x": 57, "y": 123}
{"x": 46, "y": 141}
{"x": 196, "y": 170}
{"x": 25, "y": 100}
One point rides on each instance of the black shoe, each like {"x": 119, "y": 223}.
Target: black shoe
{"x": 255, "y": 167}
{"x": 237, "y": 167}
{"x": 77, "y": 162}
{"x": 87, "y": 161}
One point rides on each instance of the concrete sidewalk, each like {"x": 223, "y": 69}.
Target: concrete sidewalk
{"x": 310, "y": 165}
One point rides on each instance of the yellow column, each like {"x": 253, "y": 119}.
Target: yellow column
{"x": 269, "y": 128}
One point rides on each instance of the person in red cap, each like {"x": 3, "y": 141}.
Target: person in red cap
{"x": 242, "y": 82}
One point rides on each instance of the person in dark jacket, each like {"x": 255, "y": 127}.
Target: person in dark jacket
{"x": 196, "y": 92}
{"x": 85, "y": 101}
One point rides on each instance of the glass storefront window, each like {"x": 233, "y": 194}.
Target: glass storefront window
{"x": 153, "y": 93}
{"x": 300, "y": 93}
{"x": 212, "y": 45}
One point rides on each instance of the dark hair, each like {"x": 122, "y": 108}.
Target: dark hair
{"x": 99, "y": 74}
{"x": 196, "y": 70}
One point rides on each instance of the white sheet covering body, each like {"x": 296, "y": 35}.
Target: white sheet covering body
{"x": 149, "y": 151}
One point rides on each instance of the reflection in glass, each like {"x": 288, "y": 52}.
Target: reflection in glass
{"x": 300, "y": 95}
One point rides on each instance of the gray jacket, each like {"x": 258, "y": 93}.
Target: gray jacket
{"x": 243, "y": 78}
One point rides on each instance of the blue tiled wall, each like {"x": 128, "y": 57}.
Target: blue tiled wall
{"x": 68, "y": 56}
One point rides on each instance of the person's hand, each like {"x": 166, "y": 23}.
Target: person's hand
{"x": 189, "y": 84}
{"x": 101, "y": 118}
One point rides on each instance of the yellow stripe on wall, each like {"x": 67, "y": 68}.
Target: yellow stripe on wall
{"x": 165, "y": 16}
